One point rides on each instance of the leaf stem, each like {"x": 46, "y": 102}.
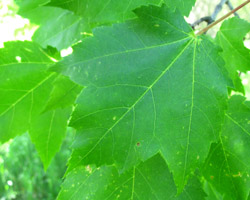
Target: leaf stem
{"x": 222, "y": 18}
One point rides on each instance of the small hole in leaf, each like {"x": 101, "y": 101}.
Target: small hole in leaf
{"x": 18, "y": 59}
{"x": 66, "y": 52}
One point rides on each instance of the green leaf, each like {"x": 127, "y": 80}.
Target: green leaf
{"x": 49, "y": 129}
{"x": 53, "y": 53}
{"x": 212, "y": 194}
{"x": 25, "y": 86}
{"x": 231, "y": 37}
{"x": 157, "y": 87}
{"x": 26, "y": 5}
{"x": 150, "y": 180}
{"x": 193, "y": 190}
{"x": 64, "y": 93}
{"x": 236, "y": 55}
{"x": 58, "y": 27}
{"x": 228, "y": 165}
{"x": 184, "y": 6}
{"x": 96, "y": 12}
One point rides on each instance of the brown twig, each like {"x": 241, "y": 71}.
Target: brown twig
{"x": 222, "y": 18}
{"x": 230, "y": 6}
{"x": 217, "y": 10}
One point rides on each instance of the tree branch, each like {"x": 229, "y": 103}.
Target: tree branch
{"x": 217, "y": 10}
{"x": 222, "y": 18}
{"x": 207, "y": 19}
{"x": 229, "y": 4}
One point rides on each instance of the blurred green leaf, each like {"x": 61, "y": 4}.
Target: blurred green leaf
{"x": 58, "y": 27}
{"x": 48, "y": 130}
{"x": 227, "y": 167}
{"x": 26, "y": 5}
{"x": 184, "y": 6}
{"x": 150, "y": 180}
{"x": 236, "y": 55}
{"x": 25, "y": 86}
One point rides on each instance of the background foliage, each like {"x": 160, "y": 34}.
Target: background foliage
{"x": 22, "y": 175}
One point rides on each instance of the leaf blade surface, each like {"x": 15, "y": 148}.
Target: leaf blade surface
{"x": 49, "y": 129}
{"x": 230, "y": 155}
{"x": 230, "y": 37}
{"x": 25, "y": 86}
{"x": 149, "y": 180}
{"x": 137, "y": 78}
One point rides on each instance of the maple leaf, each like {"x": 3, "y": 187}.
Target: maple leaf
{"x": 57, "y": 27}
{"x": 61, "y": 28}
{"x": 25, "y": 86}
{"x": 34, "y": 99}
{"x": 236, "y": 55}
{"x": 149, "y": 180}
{"x": 228, "y": 165}
{"x": 156, "y": 88}
{"x": 49, "y": 129}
